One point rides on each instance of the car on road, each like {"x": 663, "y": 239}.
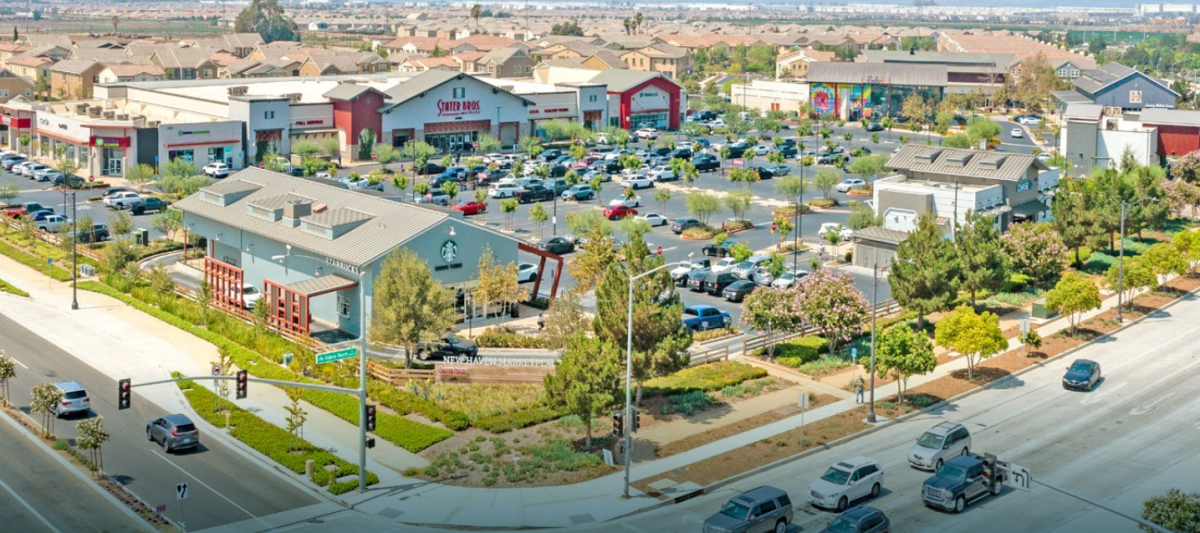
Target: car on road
{"x": 764, "y": 173}
{"x": 1083, "y": 375}
{"x": 717, "y": 250}
{"x": 850, "y": 183}
{"x": 1028, "y": 120}
{"x": 846, "y": 482}
{"x": 647, "y": 134}
{"x": 778, "y": 170}
{"x": 759, "y": 510}
{"x": 715, "y": 282}
{"x": 173, "y": 433}
{"x": 654, "y": 219}
{"x": 557, "y": 245}
{"x": 862, "y": 519}
{"x": 9, "y": 163}
{"x": 74, "y": 399}
{"x": 962, "y": 481}
{"x": 938, "y": 445}
{"x": 526, "y": 272}
{"x": 123, "y": 200}
{"x": 216, "y": 170}
{"x": 72, "y": 182}
{"x": 535, "y": 193}
{"x": 874, "y": 126}
{"x": 470, "y": 207}
{"x": 737, "y": 291}
{"x": 703, "y": 317}
{"x": 150, "y": 204}
{"x": 761, "y": 150}
{"x": 430, "y": 169}
{"x": 637, "y": 181}
{"x": 843, "y": 233}
{"x": 579, "y": 192}
{"x": 619, "y": 212}
{"x": 636, "y": 201}
{"x": 788, "y": 279}
{"x": 448, "y": 345}
{"x": 1017, "y": 133}
{"x": 682, "y": 224}
{"x": 53, "y": 223}
{"x": 362, "y": 184}
{"x": 504, "y": 190}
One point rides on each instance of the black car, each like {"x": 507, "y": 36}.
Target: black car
{"x": 661, "y": 151}
{"x": 874, "y": 126}
{"x": 558, "y": 245}
{"x": 862, "y": 519}
{"x": 114, "y": 190}
{"x": 788, "y": 151}
{"x": 431, "y": 168}
{"x": 695, "y": 279}
{"x": 558, "y": 171}
{"x": 706, "y": 163}
{"x": 788, "y": 142}
{"x": 1083, "y": 375}
{"x": 550, "y": 155}
{"x": 98, "y": 233}
{"x": 448, "y": 345}
{"x": 681, "y": 153}
{"x": 493, "y": 176}
{"x": 764, "y": 173}
{"x": 150, "y": 204}
{"x": 535, "y": 193}
{"x": 713, "y": 250}
{"x": 716, "y": 282}
{"x": 738, "y": 149}
{"x": 705, "y": 115}
{"x": 738, "y": 290}
{"x": 682, "y": 224}
{"x": 73, "y": 182}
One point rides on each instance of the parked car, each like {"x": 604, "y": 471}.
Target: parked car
{"x": 526, "y": 272}
{"x": 843, "y": 232}
{"x": 448, "y": 345}
{"x": 764, "y": 509}
{"x": 20, "y": 210}
{"x": 938, "y": 445}
{"x": 962, "y": 481}
{"x": 45, "y": 174}
{"x": 1082, "y": 375}
{"x": 702, "y": 317}
{"x": 71, "y": 182}
{"x": 637, "y": 181}
{"x": 764, "y": 173}
{"x": 715, "y": 282}
{"x": 724, "y": 265}
{"x": 114, "y": 190}
{"x": 713, "y": 250}
{"x": 534, "y": 193}
{"x": 470, "y": 207}
{"x": 97, "y": 233}
{"x": 648, "y": 134}
{"x": 1017, "y": 133}
{"x": 745, "y": 268}
{"x": 654, "y": 219}
{"x": 737, "y": 291}
{"x": 41, "y": 214}
{"x": 706, "y": 163}
{"x": 53, "y": 223}
{"x": 788, "y": 279}
{"x": 150, "y": 204}
{"x": 695, "y": 279}
{"x": 778, "y": 170}
{"x": 680, "y": 273}
{"x": 636, "y": 201}
{"x": 558, "y": 185}
{"x": 682, "y": 224}
{"x": 431, "y": 168}
{"x": 860, "y": 520}
{"x": 10, "y": 162}
{"x": 762, "y": 276}
{"x": 557, "y": 245}
{"x": 435, "y": 197}
{"x": 847, "y": 482}
{"x": 788, "y": 151}
{"x": 250, "y": 296}
{"x": 504, "y": 190}
{"x": 74, "y": 399}
{"x": 579, "y": 192}
{"x": 681, "y": 153}
{"x": 123, "y": 200}
{"x": 761, "y": 150}
{"x": 173, "y": 433}
{"x": 362, "y": 184}
{"x": 850, "y": 183}
{"x": 619, "y": 212}
{"x": 31, "y": 170}
{"x": 216, "y": 170}
{"x": 874, "y": 126}
{"x": 661, "y": 174}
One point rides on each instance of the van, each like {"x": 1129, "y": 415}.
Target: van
{"x": 941, "y": 443}
{"x": 760, "y": 510}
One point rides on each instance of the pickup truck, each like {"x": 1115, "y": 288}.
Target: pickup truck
{"x": 702, "y": 317}
{"x": 964, "y": 480}
{"x": 20, "y": 210}
{"x": 534, "y": 193}
{"x": 123, "y": 200}
{"x": 680, "y": 273}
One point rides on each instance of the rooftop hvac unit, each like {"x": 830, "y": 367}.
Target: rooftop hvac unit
{"x": 239, "y": 90}
{"x": 110, "y": 114}
{"x": 94, "y": 111}
{"x": 81, "y": 109}
{"x": 153, "y": 123}
{"x": 294, "y": 97}
{"x": 122, "y": 117}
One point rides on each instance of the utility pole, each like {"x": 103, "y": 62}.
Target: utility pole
{"x": 74, "y": 249}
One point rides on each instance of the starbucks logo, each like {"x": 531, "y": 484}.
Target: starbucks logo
{"x": 449, "y": 251}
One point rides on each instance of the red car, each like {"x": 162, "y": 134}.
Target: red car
{"x": 470, "y": 207}
{"x": 619, "y": 212}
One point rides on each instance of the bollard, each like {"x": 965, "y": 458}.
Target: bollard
{"x": 309, "y": 468}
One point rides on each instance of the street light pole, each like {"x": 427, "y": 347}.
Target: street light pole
{"x": 1121, "y": 264}
{"x": 74, "y": 250}
{"x": 874, "y": 296}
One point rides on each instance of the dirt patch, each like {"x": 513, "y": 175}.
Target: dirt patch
{"x": 654, "y": 407}
{"x": 741, "y": 426}
{"x": 733, "y": 462}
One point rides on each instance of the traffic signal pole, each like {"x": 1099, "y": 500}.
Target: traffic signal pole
{"x": 327, "y": 388}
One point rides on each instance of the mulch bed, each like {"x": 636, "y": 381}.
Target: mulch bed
{"x": 741, "y": 426}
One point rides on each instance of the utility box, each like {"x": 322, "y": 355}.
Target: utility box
{"x": 1039, "y": 310}
{"x": 87, "y": 270}
{"x": 141, "y": 236}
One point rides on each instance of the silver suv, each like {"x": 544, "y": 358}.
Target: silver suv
{"x": 761, "y": 510}
{"x": 941, "y": 443}
{"x": 74, "y": 399}
{"x": 173, "y": 432}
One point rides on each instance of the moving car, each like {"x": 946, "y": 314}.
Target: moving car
{"x": 654, "y": 219}
{"x": 846, "y": 482}
{"x": 448, "y": 345}
{"x": 647, "y": 134}
{"x": 961, "y": 481}
{"x": 764, "y": 173}
{"x": 702, "y": 317}
{"x": 619, "y": 212}
{"x": 1017, "y": 133}
{"x": 526, "y": 272}
{"x": 123, "y": 200}
{"x": 1083, "y": 375}
{"x": 150, "y": 204}
{"x": 74, "y": 399}
{"x": 53, "y": 223}
{"x": 173, "y": 432}
{"x": 764, "y": 509}
{"x": 874, "y": 126}
{"x": 850, "y": 183}
{"x": 579, "y": 192}
{"x": 216, "y": 170}
{"x": 682, "y": 224}
{"x": 557, "y": 245}
{"x": 860, "y": 520}
{"x": 470, "y": 207}
{"x": 940, "y": 444}
{"x": 714, "y": 250}
{"x": 737, "y": 291}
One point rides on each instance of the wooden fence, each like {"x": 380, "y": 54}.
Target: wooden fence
{"x": 749, "y": 346}
{"x": 397, "y": 376}
{"x": 453, "y": 373}
{"x": 710, "y": 356}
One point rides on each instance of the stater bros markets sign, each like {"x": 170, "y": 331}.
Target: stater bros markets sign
{"x": 457, "y": 108}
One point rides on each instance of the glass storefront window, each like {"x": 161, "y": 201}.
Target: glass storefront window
{"x": 187, "y": 155}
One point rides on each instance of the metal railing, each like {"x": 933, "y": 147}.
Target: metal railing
{"x": 749, "y": 346}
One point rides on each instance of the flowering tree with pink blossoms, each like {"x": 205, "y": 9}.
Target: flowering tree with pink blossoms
{"x": 771, "y": 312}
{"x": 829, "y": 302}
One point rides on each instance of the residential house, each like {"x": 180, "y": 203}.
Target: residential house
{"x": 795, "y": 64}
{"x": 659, "y": 57}
{"x": 343, "y": 63}
{"x": 468, "y": 61}
{"x": 185, "y": 63}
{"x": 8, "y": 50}
{"x": 238, "y": 44}
{"x": 280, "y": 49}
{"x": 12, "y": 85}
{"x": 74, "y": 78}
{"x": 34, "y": 68}
{"x": 425, "y": 64}
{"x": 569, "y": 50}
{"x": 129, "y": 72}
{"x": 45, "y": 39}
{"x": 507, "y": 63}
{"x": 252, "y": 68}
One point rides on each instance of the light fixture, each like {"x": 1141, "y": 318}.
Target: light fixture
{"x": 249, "y": 247}
{"x": 452, "y": 233}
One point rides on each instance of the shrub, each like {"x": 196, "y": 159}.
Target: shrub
{"x": 506, "y": 337}
{"x": 517, "y": 420}
{"x": 921, "y": 401}
{"x": 743, "y": 389}
{"x": 710, "y": 377}
{"x": 710, "y": 334}
{"x": 699, "y": 232}
{"x": 823, "y": 202}
{"x": 824, "y": 365}
{"x": 807, "y": 348}
{"x": 687, "y": 403}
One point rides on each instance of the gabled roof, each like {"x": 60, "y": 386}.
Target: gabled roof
{"x": 8, "y": 74}
{"x": 887, "y": 73}
{"x": 171, "y": 57}
{"x": 1096, "y": 80}
{"x": 1089, "y": 112}
{"x": 349, "y": 91}
{"x": 952, "y": 162}
{"x": 621, "y": 80}
{"x": 427, "y": 81}
{"x": 132, "y": 69}
{"x": 501, "y": 55}
{"x": 954, "y": 61}
{"x": 76, "y": 66}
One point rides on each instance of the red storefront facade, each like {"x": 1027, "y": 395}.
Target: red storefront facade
{"x": 353, "y": 115}
{"x": 644, "y": 100}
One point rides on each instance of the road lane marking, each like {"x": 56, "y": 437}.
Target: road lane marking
{"x": 30, "y": 507}
{"x": 155, "y": 452}
{"x": 14, "y": 359}
{"x": 638, "y": 530}
{"x": 1102, "y": 394}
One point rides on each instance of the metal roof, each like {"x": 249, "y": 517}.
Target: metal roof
{"x": 955, "y": 61}
{"x": 347, "y": 91}
{"x": 277, "y": 202}
{"x": 880, "y": 234}
{"x": 1170, "y": 117}
{"x": 427, "y": 81}
{"x": 388, "y": 224}
{"x": 1095, "y": 80}
{"x": 1083, "y": 112}
{"x": 322, "y": 285}
{"x": 1071, "y": 97}
{"x": 621, "y": 80}
{"x": 878, "y": 74}
{"x": 966, "y": 163}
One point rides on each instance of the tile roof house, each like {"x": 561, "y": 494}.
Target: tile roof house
{"x": 12, "y": 85}
{"x": 343, "y": 63}
{"x": 659, "y": 57}
{"x": 424, "y": 64}
{"x": 74, "y": 78}
{"x": 238, "y": 44}
{"x": 185, "y": 63}
{"x": 253, "y": 68}
{"x": 795, "y": 64}
{"x": 506, "y": 63}
{"x": 129, "y": 72}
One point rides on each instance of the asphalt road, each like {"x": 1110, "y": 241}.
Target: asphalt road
{"x": 1131, "y": 438}
{"x": 225, "y": 486}
{"x": 38, "y": 494}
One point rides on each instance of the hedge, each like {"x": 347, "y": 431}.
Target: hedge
{"x": 9, "y": 288}
{"x": 506, "y": 337}
{"x": 710, "y": 377}
{"x": 271, "y": 440}
{"x": 518, "y": 419}
{"x": 808, "y": 348}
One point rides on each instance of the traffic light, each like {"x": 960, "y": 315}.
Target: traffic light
{"x": 370, "y": 417}
{"x": 618, "y": 424}
{"x": 637, "y": 420}
{"x": 242, "y": 379}
{"x": 124, "y": 394}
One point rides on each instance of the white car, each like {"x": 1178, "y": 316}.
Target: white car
{"x": 850, "y": 183}
{"x": 847, "y": 482}
{"x": 1029, "y": 121}
{"x": 602, "y": 138}
{"x": 53, "y": 223}
{"x": 493, "y": 158}
{"x": 662, "y": 174}
{"x": 761, "y": 150}
{"x": 746, "y": 268}
{"x": 654, "y": 219}
{"x": 636, "y": 201}
{"x": 1017, "y": 133}
{"x": 647, "y": 134}
{"x": 940, "y": 444}
{"x": 724, "y": 265}
{"x": 123, "y": 200}
{"x": 505, "y": 190}
{"x": 526, "y": 272}
{"x": 45, "y": 174}
{"x": 1044, "y": 156}
{"x": 216, "y": 170}
{"x": 250, "y": 296}
{"x": 28, "y": 170}
{"x": 788, "y": 279}
{"x": 637, "y": 181}
{"x": 18, "y": 168}
{"x": 717, "y": 123}
{"x": 843, "y": 232}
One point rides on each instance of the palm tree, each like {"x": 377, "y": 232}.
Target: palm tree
{"x": 637, "y": 22}
{"x": 476, "y": 12}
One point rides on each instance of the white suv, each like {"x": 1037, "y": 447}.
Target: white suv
{"x": 941, "y": 443}
{"x": 74, "y": 399}
{"x": 505, "y": 190}
{"x": 123, "y": 200}
{"x": 216, "y": 170}
{"x": 846, "y": 482}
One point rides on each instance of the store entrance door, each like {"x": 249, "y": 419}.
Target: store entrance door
{"x": 114, "y": 161}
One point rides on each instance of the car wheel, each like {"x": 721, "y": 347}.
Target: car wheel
{"x": 421, "y": 355}
{"x": 166, "y": 446}
{"x": 781, "y": 526}
{"x": 842, "y": 503}
{"x": 960, "y": 503}
{"x": 937, "y": 466}
{"x": 875, "y": 491}
{"x": 965, "y": 451}
{"x": 149, "y": 435}
{"x": 995, "y": 489}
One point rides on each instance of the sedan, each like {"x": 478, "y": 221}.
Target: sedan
{"x": 526, "y": 272}
{"x": 1017, "y": 133}
{"x": 788, "y": 279}
{"x": 682, "y": 224}
{"x": 173, "y": 432}
{"x": 578, "y": 193}
{"x": 558, "y": 245}
{"x": 619, "y": 212}
{"x": 627, "y": 202}
{"x": 761, "y": 150}
{"x": 778, "y": 170}
{"x": 654, "y": 219}
{"x": 470, "y": 207}
{"x": 1083, "y": 375}
{"x": 714, "y": 250}
{"x": 862, "y": 519}
{"x": 737, "y": 291}
{"x": 45, "y": 174}
{"x": 850, "y": 183}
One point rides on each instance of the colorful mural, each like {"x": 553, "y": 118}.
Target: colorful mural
{"x": 823, "y": 98}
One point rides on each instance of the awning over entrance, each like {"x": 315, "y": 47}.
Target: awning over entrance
{"x": 314, "y": 287}
{"x": 1028, "y": 210}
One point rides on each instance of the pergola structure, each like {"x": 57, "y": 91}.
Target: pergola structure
{"x": 290, "y": 303}
{"x": 543, "y": 256}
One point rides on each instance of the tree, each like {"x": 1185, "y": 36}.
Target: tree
{"x": 1035, "y": 250}
{"x": 497, "y": 283}
{"x": 488, "y": 143}
{"x": 582, "y": 223}
{"x": 563, "y": 320}
{"x": 976, "y": 336}
{"x": 530, "y": 145}
{"x": 1187, "y": 168}
{"x": 869, "y": 167}
{"x": 44, "y": 401}
{"x": 1188, "y": 244}
{"x": 8, "y": 371}
{"x": 1136, "y": 276}
{"x": 90, "y": 436}
{"x": 419, "y": 152}
{"x": 772, "y": 313}
{"x": 1106, "y": 189}
{"x": 386, "y": 154}
{"x": 476, "y": 12}
{"x": 1071, "y": 296}
{"x": 169, "y": 222}
{"x": 904, "y": 352}
{"x": 1164, "y": 259}
{"x": 409, "y": 305}
{"x": 267, "y": 18}
{"x": 331, "y": 147}
{"x": 915, "y": 109}
{"x": 594, "y": 257}
{"x": 703, "y": 206}
{"x": 8, "y": 192}
{"x": 923, "y": 276}
{"x": 586, "y": 380}
{"x": 121, "y": 224}
{"x": 862, "y": 217}
{"x": 981, "y": 129}
{"x": 1175, "y": 511}
{"x": 738, "y": 203}
{"x": 792, "y": 188}
{"x": 982, "y": 266}
{"x": 830, "y": 303}
{"x": 662, "y": 196}
{"x": 825, "y": 180}
{"x": 305, "y": 148}
{"x": 957, "y": 140}
{"x": 296, "y": 418}
{"x": 508, "y": 207}
{"x": 1071, "y": 215}
{"x": 366, "y": 143}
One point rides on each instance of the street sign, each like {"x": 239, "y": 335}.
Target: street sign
{"x": 329, "y": 357}
{"x": 287, "y": 359}
{"x": 737, "y": 162}
{"x": 216, "y": 370}
{"x": 181, "y": 491}
{"x": 162, "y": 508}
{"x": 803, "y": 401}
{"x": 854, "y": 353}
{"x": 1024, "y": 326}
{"x": 1019, "y": 476}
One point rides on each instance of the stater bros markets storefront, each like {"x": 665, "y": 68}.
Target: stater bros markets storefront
{"x": 450, "y": 111}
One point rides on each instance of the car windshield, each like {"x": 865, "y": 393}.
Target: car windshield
{"x": 735, "y": 510}
{"x": 841, "y": 525}
{"x": 1081, "y": 367}
{"x": 452, "y": 339}
{"x": 952, "y": 472}
{"x": 745, "y": 265}
{"x": 249, "y": 290}
{"x": 929, "y": 440}
{"x": 836, "y": 476}
{"x": 786, "y": 277}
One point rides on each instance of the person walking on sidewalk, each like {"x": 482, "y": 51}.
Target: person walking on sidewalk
{"x": 858, "y": 390}
{"x": 541, "y": 322}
